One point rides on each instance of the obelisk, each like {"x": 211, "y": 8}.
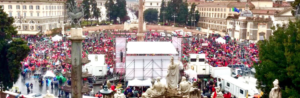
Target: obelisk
{"x": 140, "y": 33}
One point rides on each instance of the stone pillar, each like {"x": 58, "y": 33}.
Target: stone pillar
{"x": 76, "y": 54}
{"x": 140, "y": 33}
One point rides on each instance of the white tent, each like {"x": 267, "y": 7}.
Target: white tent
{"x": 147, "y": 82}
{"x": 56, "y": 38}
{"x": 220, "y": 40}
{"x": 135, "y": 82}
{"x": 191, "y": 73}
{"x": 96, "y": 67}
{"x": 49, "y": 74}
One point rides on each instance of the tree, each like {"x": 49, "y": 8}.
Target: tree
{"x": 96, "y": 11}
{"x": 183, "y": 13}
{"x": 122, "y": 11}
{"x": 112, "y": 10}
{"x": 279, "y": 59}
{"x": 170, "y": 11}
{"x": 162, "y": 11}
{"x": 151, "y": 15}
{"x": 86, "y": 8}
{"x": 197, "y": 17}
{"x": 12, "y": 51}
{"x": 294, "y": 5}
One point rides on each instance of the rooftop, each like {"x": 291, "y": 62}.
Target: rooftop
{"x": 151, "y": 48}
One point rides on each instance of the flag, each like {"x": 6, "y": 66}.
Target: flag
{"x": 234, "y": 9}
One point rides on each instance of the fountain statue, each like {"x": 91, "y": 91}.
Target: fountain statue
{"x": 276, "y": 90}
{"x": 119, "y": 94}
{"x": 157, "y": 90}
{"x": 185, "y": 89}
{"x": 173, "y": 75}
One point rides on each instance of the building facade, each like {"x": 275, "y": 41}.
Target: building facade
{"x": 214, "y": 15}
{"x": 36, "y": 15}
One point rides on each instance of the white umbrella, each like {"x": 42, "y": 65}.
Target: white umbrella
{"x": 56, "y": 38}
{"x": 49, "y": 74}
{"x": 220, "y": 40}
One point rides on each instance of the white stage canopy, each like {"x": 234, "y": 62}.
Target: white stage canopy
{"x": 151, "y": 48}
{"x": 136, "y": 82}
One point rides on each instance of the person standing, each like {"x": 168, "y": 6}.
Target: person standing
{"x": 121, "y": 56}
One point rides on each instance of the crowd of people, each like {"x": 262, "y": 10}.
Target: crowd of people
{"x": 46, "y": 54}
{"x": 221, "y": 54}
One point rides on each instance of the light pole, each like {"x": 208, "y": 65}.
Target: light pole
{"x": 174, "y": 16}
{"x": 194, "y": 20}
{"x": 163, "y": 17}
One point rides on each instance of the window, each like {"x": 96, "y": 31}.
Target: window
{"x": 241, "y": 10}
{"x": 193, "y": 60}
{"x": 19, "y": 14}
{"x": 46, "y": 7}
{"x": 241, "y": 91}
{"x": 37, "y": 14}
{"x": 157, "y": 3}
{"x": 10, "y": 14}
{"x": 18, "y": 7}
{"x": 229, "y": 9}
{"x": 24, "y": 7}
{"x": 150, "y": 3}
{"x": 201, "y": 60}
{"x": 228, "y": 84}
{"x": 37, "y": 7}
{"x": 31, "y": 27}
{"x": 31, "y": 14}
{"x": 9, "y": 7}
{"x": 24, "y": 14}
{"x": 31, "y": 7}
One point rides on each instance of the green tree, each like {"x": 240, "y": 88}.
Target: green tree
{"x": 12, "y": 51}
{"x": 294, "y": 5}
{"x": 122, "y": 11}
{"x": 183, "y": 13}
{"x": 96, "y": 11}
{"x": 197, "y": 17}
{"x": 151, "y": 15}
{"x": 162, "y": 11}
{"x": 279, "y": 59}
{"x": 170, "y": 11}
{"x": 111, "y": 10}
{"x": 86, "y": 8}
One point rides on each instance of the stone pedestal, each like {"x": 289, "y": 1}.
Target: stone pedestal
{"x": 76, "y": 54}
{"x": 140, "y": 36}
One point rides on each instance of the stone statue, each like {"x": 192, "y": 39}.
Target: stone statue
{"x": 184, "y": 86}
{"x": 276, "y": 90}
{"x": 119, "y": 94}
{"x": 157, "y": 90}
{"x": 75, "y": 13}
{"x": 108, "y": 84}
{"x": 173, "y": 75}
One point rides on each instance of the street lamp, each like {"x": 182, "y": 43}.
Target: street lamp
{"x": 174, "y": 16}
{"x": 194, "y": 20}
{"x": 163, "y": 17}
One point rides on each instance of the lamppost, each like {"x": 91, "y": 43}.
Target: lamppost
{"x": 174, "y": 16}
{"x": 194, "y": 20}
{"x": 163, "y": 17}
{"x": 158, "y": 20}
